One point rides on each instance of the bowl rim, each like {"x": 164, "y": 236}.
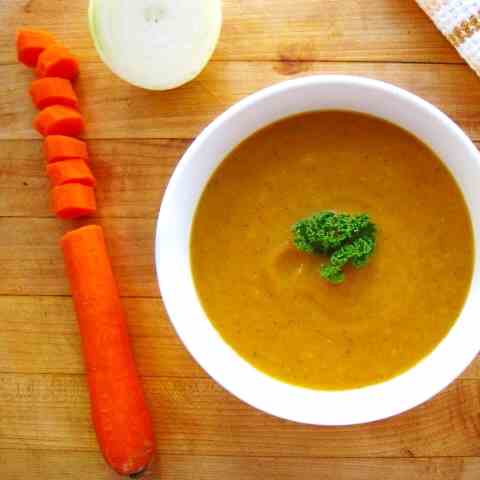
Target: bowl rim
{"x": 254, "y": 387}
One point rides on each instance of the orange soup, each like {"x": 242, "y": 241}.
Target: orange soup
{"x": 269, "y": 302}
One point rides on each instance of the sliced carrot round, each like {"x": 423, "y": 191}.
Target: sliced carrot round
{"x": 49, "y": 91}
{"x": 73, "y": 200}
{"x": 59, "y": 147}
{"x": 31, "y": 43}
{"x": 70, "y": 171}
{"x": 57, "y": 61}
{"x": 59, "y": 120}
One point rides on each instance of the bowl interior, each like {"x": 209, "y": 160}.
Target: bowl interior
{"x": 220, "y": 361}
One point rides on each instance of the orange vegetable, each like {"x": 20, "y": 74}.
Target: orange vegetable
{"x": 119, "y": 411}
{"x": 31, "y": 43}
{"x": 60, "y": 147}
{"x": 73, "y": 200}
{"x": 53, "y": 91}
{"x": 57, "y": 61}
{"x": 59, "y": 120}
{"x": 70, "y": 171}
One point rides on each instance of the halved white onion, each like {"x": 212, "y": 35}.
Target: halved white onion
{"x": 155, "y": 44}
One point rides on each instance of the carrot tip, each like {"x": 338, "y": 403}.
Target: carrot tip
{"x": 138, "y": 474}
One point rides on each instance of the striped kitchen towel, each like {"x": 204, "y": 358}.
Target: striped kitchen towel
{"x": 459, "y": 21}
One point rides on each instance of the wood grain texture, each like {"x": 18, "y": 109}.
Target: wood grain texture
{"x": 32, "y": 263}
{"x": 58, "y": 465}
{"x": 48, "y": 330}
{"x": 116, "y": 110}
{"x": 198, "y": 417}
{"x": 131, "y": 177}
{"x": 380, "y": 30}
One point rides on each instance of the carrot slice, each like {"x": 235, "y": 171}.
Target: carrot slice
{"x": 73, "y": 200}
{"x": 31, "y": 43}
{"x": 59, "y": 147}
{"x": 59, "y": 120}
{"x": 57, "y": 61}
{"x": 119, "y": 412}
{"x": 70, "y": 171}
{"x": 53, "y": 91}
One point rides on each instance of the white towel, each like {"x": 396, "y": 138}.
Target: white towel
{"x": 459, "y": 21}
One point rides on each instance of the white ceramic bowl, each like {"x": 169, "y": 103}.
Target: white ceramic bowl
{"x": 220, "y": 361}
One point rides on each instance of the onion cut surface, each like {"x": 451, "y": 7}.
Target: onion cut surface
{"x": 155, "y": 44}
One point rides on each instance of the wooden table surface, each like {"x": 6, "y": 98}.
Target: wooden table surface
{"x": 136, "y": 138}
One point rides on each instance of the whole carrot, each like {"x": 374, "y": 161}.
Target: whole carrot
{"x": 119, "y": 412}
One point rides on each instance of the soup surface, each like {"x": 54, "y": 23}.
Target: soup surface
{"x": 269, "y": 302}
